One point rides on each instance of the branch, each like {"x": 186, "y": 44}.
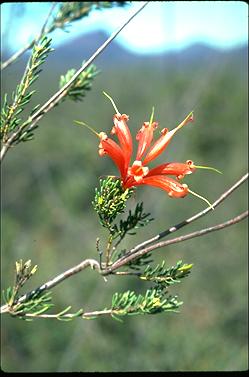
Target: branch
{"x": 121, "y": 262}
{"x": 31, "y": 44}
{"x": 139, "y": 250}
{"x": 86, "y": 315}
{"x": 63, "y": 91}
{"x": 57, "y": 280}
{"x": 189, "y": 220}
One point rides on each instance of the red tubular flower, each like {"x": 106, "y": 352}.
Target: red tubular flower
{"x": 164, "y": 140}
{"x": 138, "y": 173}
{"x": 108, "y": 147}
{"x": 174, "y": 188}
{"x": 144, "y": 137}
{"x": 177, "y": 169}
{"x": 124, "y": 136}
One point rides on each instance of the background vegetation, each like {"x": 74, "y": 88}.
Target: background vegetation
{"x": 48, "y": 185}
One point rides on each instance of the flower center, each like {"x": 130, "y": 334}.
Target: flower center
{"x": 138, "y": 171}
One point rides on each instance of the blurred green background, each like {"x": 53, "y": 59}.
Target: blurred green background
{"x": 48, "y": 185}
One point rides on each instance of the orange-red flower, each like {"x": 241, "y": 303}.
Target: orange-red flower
{"x": 138, "y": 173}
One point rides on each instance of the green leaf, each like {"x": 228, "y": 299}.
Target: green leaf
{"x": 78, "y": 89}
{"x": 110, "y": 201}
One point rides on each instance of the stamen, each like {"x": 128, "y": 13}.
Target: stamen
{"x": 201, "y": 197}
{"x": 152, "y": 115}
{"x": 87, "y": 126}
{"x": 208, "y": 168}
{"x": 113, "y": 103}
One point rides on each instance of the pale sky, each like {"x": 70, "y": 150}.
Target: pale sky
{"x": 161, "y": 26}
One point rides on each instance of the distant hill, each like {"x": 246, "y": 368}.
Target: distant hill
{"x": 72, "y": 53}
{"x": 114, "y": 55}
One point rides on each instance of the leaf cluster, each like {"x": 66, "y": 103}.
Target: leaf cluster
{"x": 78, "y": 89}
{"x": 23, "y": 272}
{"x": 36, "y": 302}
{"x": 153, "y": 302}
{"x": 157, "y": 298}
{"x": 160, "y": 274}
{"x": 33, "y": 306}
{"x": 110, "y": 200}
{"x": 10, "y": 113}
{"x": 133, "y": 221}
{"x": 74, "y": 11}
{"x": 137, "y": 263}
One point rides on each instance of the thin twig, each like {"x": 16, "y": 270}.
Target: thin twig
{"x": 46, "y": 22}
{"x": 68, "y": 316}
{"x": 63, "y": 91}
{"x": 30, "y": 44}
{"x": 119, "y": 263}
{"x": 189, "y": 220}
{"x": 87, "y": 315}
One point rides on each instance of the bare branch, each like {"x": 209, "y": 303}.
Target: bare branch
{"x": 186, "y": 237}
{"x": 189, "y": 220}
{"x": 63, "y": 91}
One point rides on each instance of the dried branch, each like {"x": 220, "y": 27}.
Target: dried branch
{"x": 33, "y": 119}
{"x": 119, "y": 263}
{"x": 189, "y": 220}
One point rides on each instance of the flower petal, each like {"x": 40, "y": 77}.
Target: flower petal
{"x": 124, "y": 136}
{"x": 164, "y": 140}
{"x": 178, "y": 169}
{"x": 144, "y": 137}
{"x": 109, "y": 147}
{"x": 173, "y": 188}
